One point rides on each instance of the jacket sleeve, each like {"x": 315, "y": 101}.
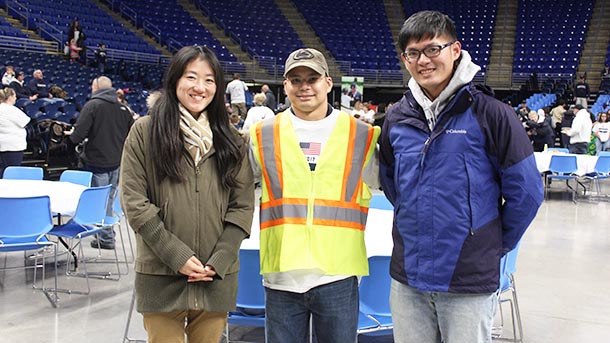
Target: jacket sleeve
{"x": 142, "y": 214}
{"x": 83, "y": 124}
{"x": 238, "y": 219}
{"x": 520, "y": 181}
{"x": 386, "y": 162}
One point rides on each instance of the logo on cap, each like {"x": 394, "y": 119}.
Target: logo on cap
{"x": 303, "y": 55}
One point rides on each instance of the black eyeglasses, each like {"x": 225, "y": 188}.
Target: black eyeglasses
{"x": 431, "y": 51}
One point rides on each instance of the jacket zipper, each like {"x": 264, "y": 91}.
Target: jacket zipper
{"x": 198, "y": 221}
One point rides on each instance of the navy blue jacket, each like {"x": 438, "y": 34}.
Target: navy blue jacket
{"x": 463, "y": 194}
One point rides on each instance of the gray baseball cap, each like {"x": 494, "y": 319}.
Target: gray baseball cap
{"x": 307, "y": 57}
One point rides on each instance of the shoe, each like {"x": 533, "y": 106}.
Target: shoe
{"x": 101, "y": 245}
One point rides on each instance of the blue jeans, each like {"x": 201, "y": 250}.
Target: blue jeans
{"x": 578, "y": 148}
{"x": 601, "y": 146}
{"x": 333, "y": 307}
{"x": 435, "y": 317}
{"x": 103, "y": 179}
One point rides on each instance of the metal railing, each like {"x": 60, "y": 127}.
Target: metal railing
{"x": 26, "y": 44}
{"x": 153, "y": 30}
{"x": 16, "y": 9}
{"x": 50, "y": 32}
{"x": 131, "y": 56}
{"x": 129, "y": 14}
{"x": 173, "y": 45}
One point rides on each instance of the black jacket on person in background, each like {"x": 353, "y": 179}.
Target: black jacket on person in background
{"x": 106, "y": 123}
{"x": 20, "y": 90}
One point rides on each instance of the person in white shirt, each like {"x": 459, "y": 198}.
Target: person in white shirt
{"x": 236, "y": 90}
{"x": 580, "y": 131}
{"x": 257, "y": 113}
{"x": 9, "y": 76}
{"x": 12, "y": 130}
{"x": 601, "y": 130}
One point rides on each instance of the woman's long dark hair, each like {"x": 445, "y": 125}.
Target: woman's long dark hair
{"x": 167, "y": 141}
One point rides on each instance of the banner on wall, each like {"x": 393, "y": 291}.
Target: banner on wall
{"x": 352, "y": 90}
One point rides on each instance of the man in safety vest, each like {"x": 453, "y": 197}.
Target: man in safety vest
{"x": 314, "y": 206}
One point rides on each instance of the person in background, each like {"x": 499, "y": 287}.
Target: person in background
{"x": 312, "y": 158}
{"x": 557, "y": 116}
{"x": 8, "y": 77}
{"x": 579, "y": 131}
{"x": 601, "y": 130}
{"x": 105, "y": 123}
{"x": 74, "y": 51}
{"x": 75, "y": 31}
{"x": 38, "y": 86}
{"x": 12, "y": 130}
{"x": 100, "y": 58}
{"x": 236, "y": 90}
{"x": 270, "y": 98}
{"x": 445, "y": 141}
{"x": 258, "y": 112}
{"x": 187, "y": 190}
{"x": 122, "y": 99}
{"x": 22, "y": 91}
{"x": 582, "y": 92}
{"x": 236, "y": 121}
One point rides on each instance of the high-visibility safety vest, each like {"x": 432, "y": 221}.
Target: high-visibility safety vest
{"x": 313, "y": 219}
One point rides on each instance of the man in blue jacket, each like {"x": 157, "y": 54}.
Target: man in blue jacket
{"x": 460, "y": 171}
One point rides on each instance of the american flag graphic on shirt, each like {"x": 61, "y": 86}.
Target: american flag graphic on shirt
{"x": 311, "y": 150}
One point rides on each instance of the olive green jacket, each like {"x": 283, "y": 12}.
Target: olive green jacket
{"x": 177, "y": 220}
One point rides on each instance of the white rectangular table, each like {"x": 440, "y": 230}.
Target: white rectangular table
{"x": 586, "y": 163}
{"x": 64, "y": 195}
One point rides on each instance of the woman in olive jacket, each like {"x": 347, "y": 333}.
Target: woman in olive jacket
{"x": 188, "y": 193}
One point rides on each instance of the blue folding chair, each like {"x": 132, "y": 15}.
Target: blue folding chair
{"x": 508, "y": 267}
{"x": 379, "y": 201}
{"x": 250, "y": 293}
{"x": 116, "y": 219}
{"x": 563, "y": 167}
{"x": 23, "y": 173}
{"x": 375, "y": 298}
{"x": 601, "y": 171}
{"x": 79, "y": 177}
{"x": 24, "y": 224}
{"x": 88, "y": 220}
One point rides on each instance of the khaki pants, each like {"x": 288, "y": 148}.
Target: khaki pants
{"x": 170, "y": 327}
{"x": 240, "y": 109}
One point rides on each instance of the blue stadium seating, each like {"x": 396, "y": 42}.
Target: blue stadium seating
{"x": 98, "y": 26}
{"x": 550, "y": 44}
{"x": 356, "y": 32}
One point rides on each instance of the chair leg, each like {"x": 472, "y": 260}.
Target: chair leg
{"x": 517, "y": 310}
{"x": 126, "y": 337}
{"x": 116, "y": 259}
{"x": 50, "y": 293}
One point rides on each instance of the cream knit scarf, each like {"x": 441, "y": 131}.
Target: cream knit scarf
{"x": 197, "y": 133}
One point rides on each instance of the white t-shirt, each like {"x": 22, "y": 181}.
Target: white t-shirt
{"x": 237, "y": 90}
{"x": 12, "y": 132}
{"x": 603, "y": 129}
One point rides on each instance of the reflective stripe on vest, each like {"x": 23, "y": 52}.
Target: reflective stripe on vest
{"x": 354, "y": 218}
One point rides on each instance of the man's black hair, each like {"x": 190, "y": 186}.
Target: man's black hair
{"x": 426, "y": 25}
